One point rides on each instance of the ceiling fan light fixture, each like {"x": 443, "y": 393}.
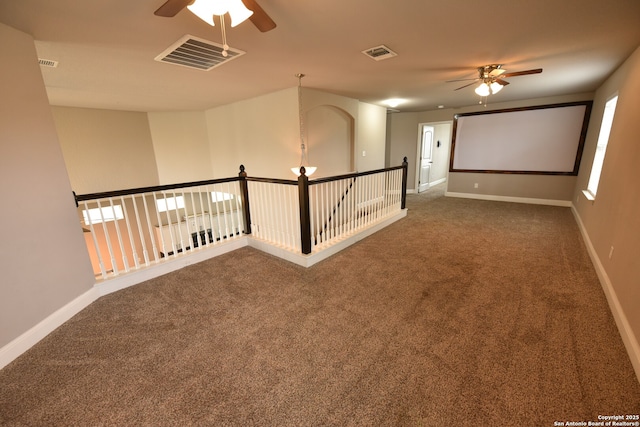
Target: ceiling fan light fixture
{"x": 206, "y": 9}
{"x": 238, "y": 12}
{"x": 483, "y": 89}
{"x": 308, "y": 170}
{"x": 394, "y": 102}
{"x": 495, "y": 87}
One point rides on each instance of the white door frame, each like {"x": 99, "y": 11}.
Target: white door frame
{"x": 419, "y": 148}
{"x": 423, "y": 186}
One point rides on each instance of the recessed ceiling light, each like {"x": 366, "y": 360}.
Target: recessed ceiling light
{"x": 394, "y": 102}
{"x": 440, "y": 106}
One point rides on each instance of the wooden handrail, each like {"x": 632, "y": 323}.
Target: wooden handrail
{"x": 353, "y": 175}
{"x": 118, "y": 193}
{"x": 302, "y": 182}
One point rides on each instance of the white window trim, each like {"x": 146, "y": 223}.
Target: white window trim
{"x": 220, "y": 196}
{"x": 608, "y": 116}
{"x": 102, "y": 214}
{"x": 170, "y": 203}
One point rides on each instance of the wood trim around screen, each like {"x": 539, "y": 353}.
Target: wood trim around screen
{"x": 509, "y": 143}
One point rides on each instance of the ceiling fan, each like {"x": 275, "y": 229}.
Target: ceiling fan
{"x": 492, "y": 78}
{"x": 260, "y": 19}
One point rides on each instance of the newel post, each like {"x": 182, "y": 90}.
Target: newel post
{"x": 305, "y": 218}
{"x": 244, "y": 193}
{"x": 405, "y": 169}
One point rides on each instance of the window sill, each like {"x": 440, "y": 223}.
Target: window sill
{"x": 589, "y": 196}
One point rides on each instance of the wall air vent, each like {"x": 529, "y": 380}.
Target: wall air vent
{"x": 194, "y": 52}
{"x": 47, "y": 63}
{"x": 379, "y": 53}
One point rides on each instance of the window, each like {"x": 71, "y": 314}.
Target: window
{"x": 170, "y": 203}
{"x": 103, "y": 214}
{"x": 219, "y": 196}
{"x": 601, "y": 148}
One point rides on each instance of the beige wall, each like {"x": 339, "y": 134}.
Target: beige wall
{"x": 181, "y": 146}
{"x": 403, "y": 137}
{"x": 371, "y": 138}
{"x": 106, "y": 150}
{"x": 402, "y": 134}
{"x": 613, "y": 219}
{"x": 544, "y": 187}
{"x": 111, "y": 150}
{"x": 330, "y": 138}
{"x": 44, "y": 260}
{"x": 263, "y": 134}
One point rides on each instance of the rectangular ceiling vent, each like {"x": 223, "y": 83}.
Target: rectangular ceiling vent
{"x": 47, "y": 63}
{"x": 194, "y": 52}
{"x": 379, "y": 53}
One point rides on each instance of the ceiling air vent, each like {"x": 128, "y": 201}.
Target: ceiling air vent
{"x": 47, "y": 63}
{"x": 379, "y": 53}
{"x": 194, "y": 52}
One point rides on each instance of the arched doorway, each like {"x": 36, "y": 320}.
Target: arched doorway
{"x": 330, "y": 140}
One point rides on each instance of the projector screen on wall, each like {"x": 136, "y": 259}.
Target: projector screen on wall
{"x": 545, "y": 139}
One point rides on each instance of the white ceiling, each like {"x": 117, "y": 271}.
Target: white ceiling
{"x": 106, "y": 50}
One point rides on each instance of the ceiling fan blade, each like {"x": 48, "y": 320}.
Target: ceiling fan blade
{"x": 502, "y": 82}
{"x": 171, "y": 7}
{"x": 461, "y": 80}
{"x": 522, "y": 73}
{"x": 467, "y": 85}
{"x": 497, "y": 72}
{"x": 260, "y": 19}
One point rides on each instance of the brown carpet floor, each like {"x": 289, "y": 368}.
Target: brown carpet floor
{"x": 465, "y": 313}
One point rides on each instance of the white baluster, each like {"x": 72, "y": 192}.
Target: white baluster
{"x": 196, "y": 216}
{"x": 255, "y": 229}
{"x": 219, "y": 221}
{"x": 114, "y": 266}
{"x": 143, "y": 242}
{"x": 202, "y": 214}
{"x": 134, "y": 250}
{"x": 288, "y": 216}
{"x": 260, "y": 193}
{"x": 172, "y": 234}
{"x": 154, "y": 247}
{"x": 211, "y": 236}
{"x": 228, "y": 217}
{"x": 103, "y": 271}
{"x": 162, "y": 242}
{"x": 116, "y": 225}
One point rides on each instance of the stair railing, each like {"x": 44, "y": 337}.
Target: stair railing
{"x": 135, "y": 228}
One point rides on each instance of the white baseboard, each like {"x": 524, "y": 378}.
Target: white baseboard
{"x": 24, "y": 342}
{"x": 532, "y": 201}
{"x": 624, "y": 328}
{"x": 325, "y": 252}
{"x": 438, "y": 181}
{"x": 182, "y": 260}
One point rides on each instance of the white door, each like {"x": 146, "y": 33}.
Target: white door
{"x": 426, "y": 153}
